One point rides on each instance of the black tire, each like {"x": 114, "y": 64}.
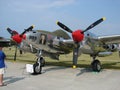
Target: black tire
{"x": 37, "y": 68}
{"x": 96, "y": 66}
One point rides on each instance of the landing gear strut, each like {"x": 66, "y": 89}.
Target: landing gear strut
{"x": 37, "y": 66}
{"x": 96, "y": 65}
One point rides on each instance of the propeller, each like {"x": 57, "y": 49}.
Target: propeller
{"x": 78, "y": 36}
{"x": 18, "y": 37}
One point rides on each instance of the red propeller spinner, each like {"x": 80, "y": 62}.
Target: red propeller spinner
{"x": 18, "y": 39}
{"x": 77, "y": 35}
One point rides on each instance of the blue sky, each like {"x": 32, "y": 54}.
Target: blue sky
{"x": 76, "y": 14}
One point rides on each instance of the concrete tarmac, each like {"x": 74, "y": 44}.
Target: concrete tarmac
{"x": 59, "y": 78}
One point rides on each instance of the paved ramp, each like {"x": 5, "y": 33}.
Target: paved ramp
{"x": 60, "y": 78}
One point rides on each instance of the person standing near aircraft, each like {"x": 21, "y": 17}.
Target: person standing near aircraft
{"x": 2, "y": 66}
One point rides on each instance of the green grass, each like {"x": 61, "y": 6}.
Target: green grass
{"x": 109, "y": 62}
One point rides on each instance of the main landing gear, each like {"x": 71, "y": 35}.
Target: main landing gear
{"x": 37, "y": 66}
{"x": 40, "y": 62}
{"x": 96, "y": 65}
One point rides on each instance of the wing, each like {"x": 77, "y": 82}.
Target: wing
{"x": 110, "y": 39}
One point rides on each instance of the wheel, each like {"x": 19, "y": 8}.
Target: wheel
{"x": 37, "y": 68}
{"x": 96, "y": 65}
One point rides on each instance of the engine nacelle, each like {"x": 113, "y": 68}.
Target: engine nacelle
{"x": 111, "y": 47}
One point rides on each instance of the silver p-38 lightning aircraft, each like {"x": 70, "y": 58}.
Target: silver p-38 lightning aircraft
{"x": 53, "y": 44}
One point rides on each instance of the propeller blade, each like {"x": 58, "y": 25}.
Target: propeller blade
{"x": 64, "y": 27}
{"x": 26, "y": 30}
{"x": 94, "y": 24}
{"x": 10, "y": 31}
